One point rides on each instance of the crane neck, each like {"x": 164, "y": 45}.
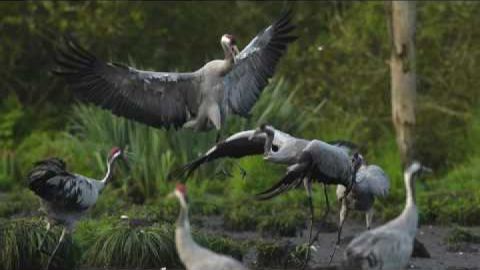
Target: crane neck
{"x": 409, "y": 216}
{"x": 410, "y": 189}
{"x": 187, "y": 248}
{"x": 109, "y": 174}
{"x": 182, "y": 220}
{"x": 269, "y": 140}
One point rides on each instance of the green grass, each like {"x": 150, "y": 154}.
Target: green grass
{"x": 271, "y": 254}
{"x": 124, "y": 246}
{"x": 20, "y": 241}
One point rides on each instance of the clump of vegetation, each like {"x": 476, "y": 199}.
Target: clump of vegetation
{"x": 22, "y": 202}
{"x": 221, "y": 245}
{"x": 460, "y": 239}
{"x": 240, "y": 218}
{"x": 125, "y": 246}
{"x": 271, "y": 254}
{"x": 459, "y": 234}
{"x": 20, "y": 241}
{"x": 285, "y": 223}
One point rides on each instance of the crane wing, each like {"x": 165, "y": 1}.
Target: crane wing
{"x": 292, "y": 178}
{"x": 154, "y": 98}
{"x": 236, "y": 146}
{"x": 374, "y": 180}
{"x": 255, "y": 64}
{"x": 51, "y": 182}
{"x": 348, "y": 146}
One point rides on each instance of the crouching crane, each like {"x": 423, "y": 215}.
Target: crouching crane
{"x": 371, "y": 181}
{"x": 390, "y": 246}
{"x": 192, "y": 255}
{"x": 199, "y": 100}
{"x": 66, "y": 196}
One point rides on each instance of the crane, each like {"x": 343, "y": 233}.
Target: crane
{"x": 192, "y": 255}
{"x": 389, "y": 246}
{"x": 199, "y": 100}
{"x": 371, "y": 182}
{"x": 308, "y": 160}
{"x": 66, "y": 196}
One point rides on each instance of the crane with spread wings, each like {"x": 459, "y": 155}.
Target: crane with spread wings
{"x": 200, "y": 100}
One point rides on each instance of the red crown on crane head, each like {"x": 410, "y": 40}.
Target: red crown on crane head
{"x": 181, "y": 188}
{"x": 114, "y": 151}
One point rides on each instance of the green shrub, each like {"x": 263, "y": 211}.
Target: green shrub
{"x": 20, "y": 202}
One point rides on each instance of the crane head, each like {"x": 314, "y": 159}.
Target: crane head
{"x": 114, "y": 153}
{"x": 229, "y": 45}
{"x": 417, "y": 169}
{"x": 180, "y": 192}
{"x": 263, "y": 128}
{"x": 357, "y": 161}
{"x": 181, "y": 188}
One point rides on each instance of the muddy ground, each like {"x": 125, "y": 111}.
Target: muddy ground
{"x": 443, "y": 256}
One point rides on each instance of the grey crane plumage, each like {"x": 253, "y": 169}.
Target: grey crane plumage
{"x": 370, "y": 182}
{"x": 308, "y": 160}
{"x": 248, "y": 143}
{"x": 389, "y": 246}
{"x": 66, "y": 196}
{"x": 199, "y": 100}
{"x": 192, "y": 255}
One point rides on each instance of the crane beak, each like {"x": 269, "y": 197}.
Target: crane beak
{"x": 126, "y": 162}
{"x": 427, "y": 169}
{"x": 255, "y": 133}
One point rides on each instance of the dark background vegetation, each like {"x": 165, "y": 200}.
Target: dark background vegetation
{"x": 332, "y": 84}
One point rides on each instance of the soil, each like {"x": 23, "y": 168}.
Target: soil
{"x": 462, "y": 256}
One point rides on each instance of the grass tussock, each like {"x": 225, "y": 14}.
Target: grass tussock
{"x": 270, "y": 254}
{"x": 125, "y": 246}
{"x": 20, "y": 241}
{"x": 221, "y": 245}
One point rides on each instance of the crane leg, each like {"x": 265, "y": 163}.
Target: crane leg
{"x": 343, "y": 216}
{"x": 47, "y": 230}
{"x": 327, "y": 211}
{"x": 60, "y": 241}
{"x": 308, "y": 187}
{"x": 243, "y": 173}
{"x": 368, "y": 217}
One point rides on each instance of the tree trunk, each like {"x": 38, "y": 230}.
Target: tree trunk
{"x": 402, "y": 66}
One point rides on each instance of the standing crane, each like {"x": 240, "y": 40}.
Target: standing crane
{"x": 199, "y": 100}
{"x": 192, "y": 255}
{"x": 371, "y": 181}
{"x": 308, "y": 160}
{"x": 389, "y": 246}
{"x": 67, "y": 196}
